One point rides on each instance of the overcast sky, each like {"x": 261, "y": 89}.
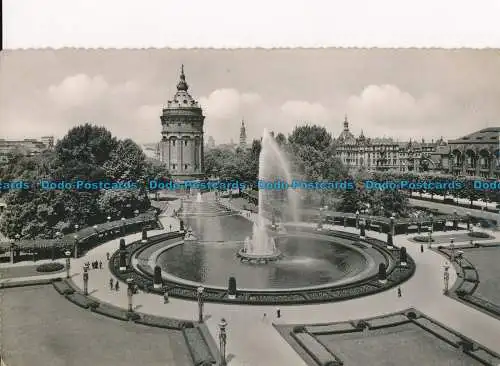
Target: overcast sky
{"x": 395, "y": 93}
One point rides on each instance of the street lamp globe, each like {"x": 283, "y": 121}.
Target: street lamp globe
{"x": 67, "y": 253}
{"x": 136, "y": 212}
{"x": 109, "y": 218}
{"x": 200, "y": 290}
{"x": 17, "y": 236}
{"x": 76, "y": 227}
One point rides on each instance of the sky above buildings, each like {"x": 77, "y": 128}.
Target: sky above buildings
{"x": 394, "y": 93}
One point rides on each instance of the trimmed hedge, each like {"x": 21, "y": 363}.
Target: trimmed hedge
{"x": 160, "y": 322}
{"x": 422, "y": 239}
{"x": 63, "y": 288}
{"x": 82, "y": 301}
{"x": 198, "y": 348}
{"x": 478, "y": 234}
{"x": 111, "y": 311}
{"x": 50, "y": 267}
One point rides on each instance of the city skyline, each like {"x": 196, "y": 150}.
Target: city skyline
{"x": 436, "y": 93}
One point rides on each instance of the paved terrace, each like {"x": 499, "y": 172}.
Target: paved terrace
{"x": 253, "y": 341}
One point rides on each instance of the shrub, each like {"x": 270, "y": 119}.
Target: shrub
{"x": 232, "y": 286}
{"x": 50, "y": 267}
{"x": 478, "y": 234}
{"x": 382, "y": 272}
{"x": 157, "y": 275}
{"x": 411, "y": 315}
{"x": 402, "y": 255}
{"x": 144, "y": 234}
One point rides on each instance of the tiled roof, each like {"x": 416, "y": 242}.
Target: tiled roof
{"x": 484, "y": 136}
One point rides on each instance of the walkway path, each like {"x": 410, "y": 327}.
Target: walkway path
{"x": 253, "y": 341}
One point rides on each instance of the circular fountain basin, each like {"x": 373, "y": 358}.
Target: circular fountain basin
{"x": 306, "y": 261}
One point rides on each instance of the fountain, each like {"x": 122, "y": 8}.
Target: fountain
{"x": 261, "y": 248}
{"x": 198, "y": 197}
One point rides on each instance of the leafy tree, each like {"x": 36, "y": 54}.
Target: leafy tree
{"x": 315, "y": 136}
{"x": 126, "y": 161}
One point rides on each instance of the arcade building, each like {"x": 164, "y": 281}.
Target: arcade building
{"x": 181, "y": 145}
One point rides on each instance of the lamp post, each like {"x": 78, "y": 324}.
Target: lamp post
{"x": 431, "y": 217}
{"x": 452, "y": 249}
{"x": 469, "y": 227}
{"x": 429, "y": 242}
{"x": 130, "y": 293}
{"x": 222, "y": 341}
{"x": 109, "y": 218}
{"x": 68, "y": 263}
{"x": 460, "y": 256}
{"x": 393, "y": 218}
{"x": 357, "y": 218}
{"x": 76, "y": 245}
{"x": 199, "y": 292}
{"x": 446, "y": 278}
{"x": 123, "y": 226}
{"x": 58, "y": 236}
{"x": 85, "y": 280}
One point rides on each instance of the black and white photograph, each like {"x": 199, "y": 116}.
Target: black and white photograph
{"x": 261, "y": 207}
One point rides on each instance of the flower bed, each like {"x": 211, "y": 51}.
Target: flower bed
{"x": 50, "y": 267}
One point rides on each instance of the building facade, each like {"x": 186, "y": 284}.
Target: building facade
{"x": 26, "y": 147}
{"x": 181, "y": 146}
{"x": 243, "y": 135}
{"x": 476, "y": 154}
{"x": 385, "y": 154}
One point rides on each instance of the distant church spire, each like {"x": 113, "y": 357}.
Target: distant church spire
{"x": 182, "y": 85}
{"x": 243, "y": 134}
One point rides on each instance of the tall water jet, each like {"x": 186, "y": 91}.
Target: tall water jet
{"x": 198, "y": 197}
{"x": 273, "y": 167}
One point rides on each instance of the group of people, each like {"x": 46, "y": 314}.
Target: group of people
{"x": 95, "y": 265}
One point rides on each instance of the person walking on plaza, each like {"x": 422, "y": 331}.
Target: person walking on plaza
{"x": 100, "y": 264}
{"x": 264, "y": 318}
{"x": 111, "y": 283}
{"x": 399, "y": 292}
{"x": 421, "y": 248}
{"x": 170, "y": 227}
{"x": 278, "y": 312}
{"x": 107, "y": 256}
{"x": 117, "y": 286}
{"x": 165, "y": 295}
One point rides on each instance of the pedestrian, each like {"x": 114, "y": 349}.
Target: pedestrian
{"x": 170, "y": 227}
{"x": 421, "y": 248}
{"x": 399, "y": 292}
{"x": 264, "y": 318}
{"x": 110, "y": 283}
{"x": 107, "y": 256}
{"x": 100, "y": 264}
{"x": 165, "y": 296}
{"x": 278, "y": 312}
{"x": 117, "y": 286}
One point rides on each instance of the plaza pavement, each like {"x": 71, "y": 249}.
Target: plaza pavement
{"x": 253, "y": 341}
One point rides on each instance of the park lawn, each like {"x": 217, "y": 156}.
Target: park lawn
{"x": 486, "y": 261}
{"x": 40, "y": 327}
{"x": 23, "y": 271}
{"x": 405, "y": 344}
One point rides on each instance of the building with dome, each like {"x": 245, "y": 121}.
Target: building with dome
{"x": 386, "y": 154}
{"x": 181, "y": 145}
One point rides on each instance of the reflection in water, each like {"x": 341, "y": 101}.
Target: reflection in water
{"x": 306, "y": 261}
